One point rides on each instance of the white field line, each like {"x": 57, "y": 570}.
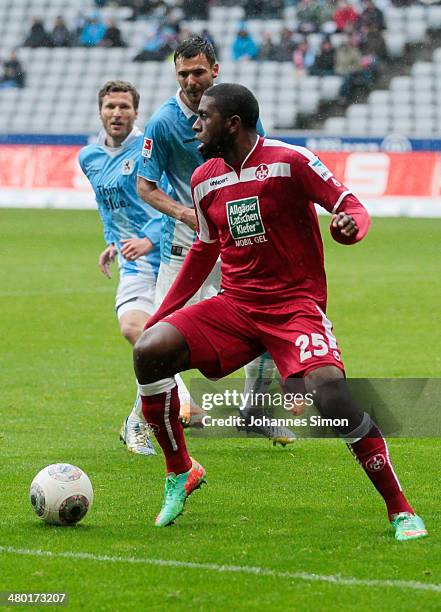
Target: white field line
{"x": 238, "y": 569}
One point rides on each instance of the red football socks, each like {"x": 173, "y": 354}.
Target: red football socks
{"x": 372, "y": 453}
{"x": 161, "y": 411}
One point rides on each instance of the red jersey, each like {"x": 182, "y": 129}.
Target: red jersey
{"x": 266, "y": 225}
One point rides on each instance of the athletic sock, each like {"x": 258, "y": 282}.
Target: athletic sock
{"x": 258, "y": 376}
{"x": 136, "y": 414}
{"x": 160, "y": 407}
{"x": 184, "y": 393}
{"x": 372, "y": 453}
{"x": 189, "y": 411}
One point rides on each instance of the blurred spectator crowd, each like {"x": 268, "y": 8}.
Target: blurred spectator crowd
{"x": 357, "y": 57}
{"x": 88, "y": 31}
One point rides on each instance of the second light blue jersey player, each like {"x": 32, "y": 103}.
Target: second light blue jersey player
{"x": 111, "y": 166}
{"x": 171, "y": 149}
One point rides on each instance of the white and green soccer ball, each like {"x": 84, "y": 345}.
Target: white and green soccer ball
{"x": 61, "y": 494}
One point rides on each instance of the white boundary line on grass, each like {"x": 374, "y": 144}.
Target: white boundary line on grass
{"x": 239, "y": 569}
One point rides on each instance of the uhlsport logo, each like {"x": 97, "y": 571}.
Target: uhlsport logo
{"x": 262, "y": 172}
{"x": 376, "y": 463}
{"x": 245, "y": 220}
{"x": 218, "y": 181}
{"x": 320, "y": 169}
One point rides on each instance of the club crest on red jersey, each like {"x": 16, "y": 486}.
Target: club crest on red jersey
{"x": 262, "y": 172}
{"x": 147, "y": 147}
{"x": 376, "y": 463}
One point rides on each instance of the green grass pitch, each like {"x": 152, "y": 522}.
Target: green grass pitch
{"x": 67, "y": 383}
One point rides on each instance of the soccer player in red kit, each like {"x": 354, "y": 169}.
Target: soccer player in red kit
{"x": 254, "y": 201}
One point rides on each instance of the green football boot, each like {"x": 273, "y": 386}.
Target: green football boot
{"x": 177, "y": 489}
{"x": 408, "y": 526}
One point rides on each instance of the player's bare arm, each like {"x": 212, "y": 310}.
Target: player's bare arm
{"x": 153, "y": 195}
{"x": 133, "y": 248}
{"x": 106, "y": 258}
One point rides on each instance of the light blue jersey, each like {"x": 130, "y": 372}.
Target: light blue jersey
{"x": 112, "y": 173}
{"x": 170, "y": 148}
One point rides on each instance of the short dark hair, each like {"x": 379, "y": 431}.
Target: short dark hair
{"x": 233, "y": 99}
{"x": 195, "y": 45}
{"x": 116, "y": 86}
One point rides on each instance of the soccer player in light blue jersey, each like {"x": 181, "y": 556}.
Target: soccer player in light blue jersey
{"x": 170, "y": 149}
{"x": 131, "y": 227}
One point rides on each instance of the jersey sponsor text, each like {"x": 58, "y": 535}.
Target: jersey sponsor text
{"x": 244, "y": 218}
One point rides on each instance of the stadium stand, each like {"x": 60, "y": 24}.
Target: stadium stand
{"x": 61, "y": 82}
{"x": 411, "y": 105}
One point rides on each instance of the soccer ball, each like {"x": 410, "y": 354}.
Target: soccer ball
{"x": 61, "y": 494}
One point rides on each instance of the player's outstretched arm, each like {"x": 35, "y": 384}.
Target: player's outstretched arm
{"x": 197, "y": 266}
{"x": 153, "y": 195}
{"x": 351, "y": 222}
{"x": 106, "y": 258}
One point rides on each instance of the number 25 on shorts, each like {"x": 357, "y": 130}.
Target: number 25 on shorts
{"x": 311, "y": 345}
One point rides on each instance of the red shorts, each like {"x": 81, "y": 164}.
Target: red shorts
{"x": 223, "y": 336}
